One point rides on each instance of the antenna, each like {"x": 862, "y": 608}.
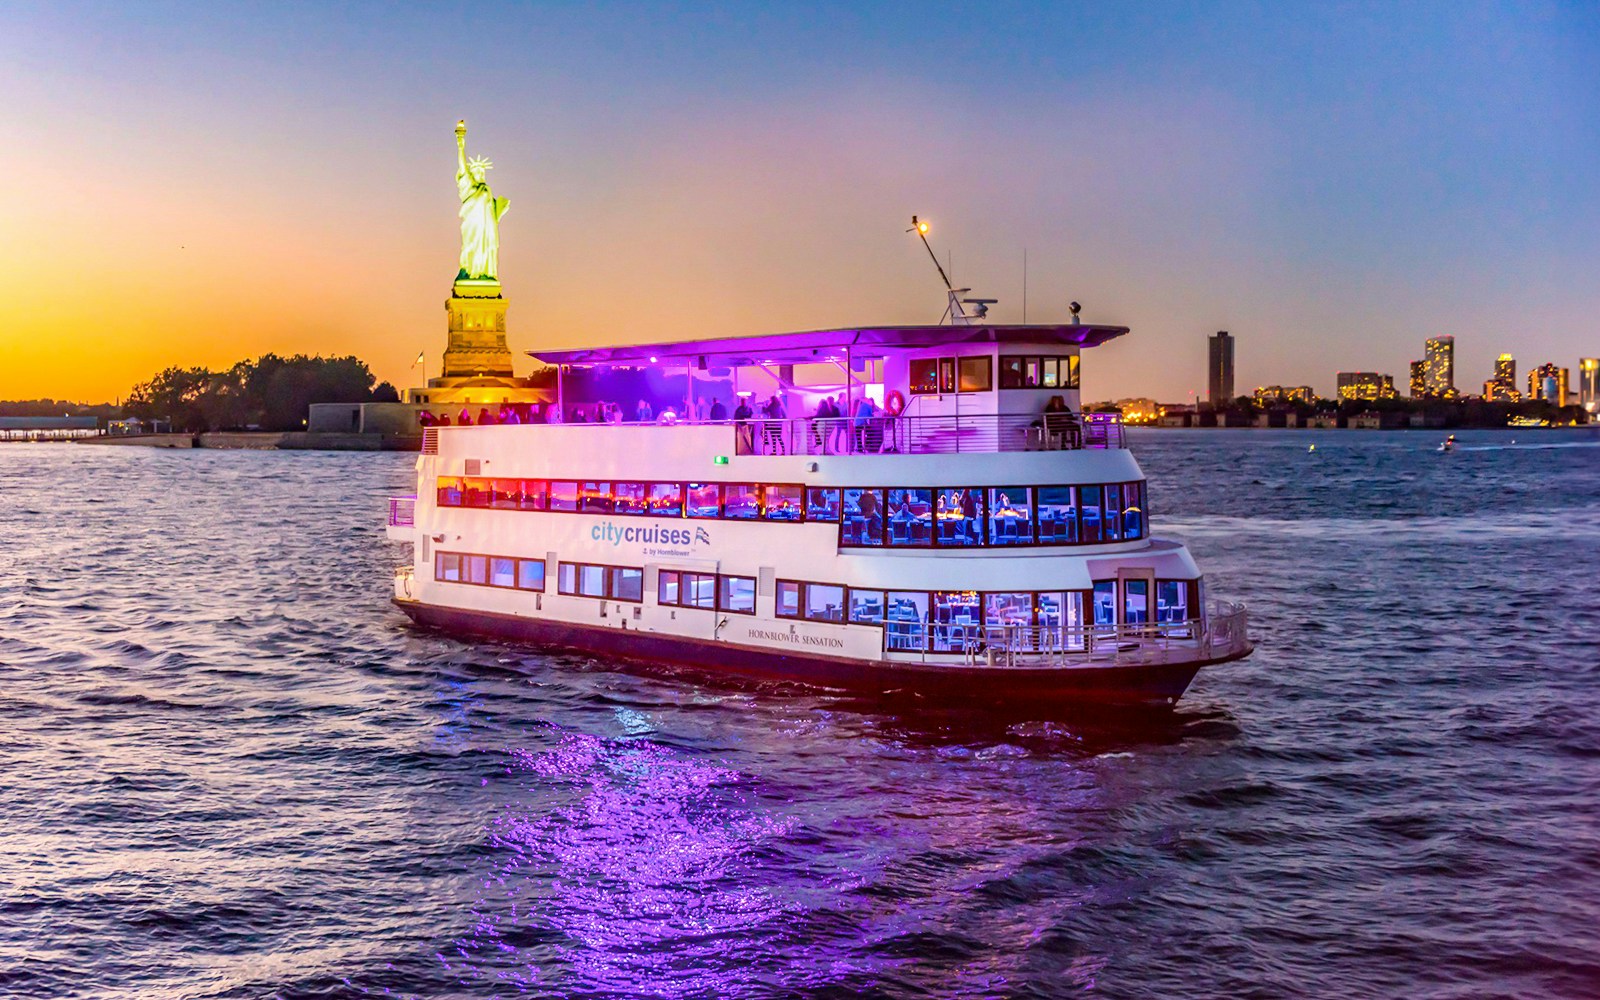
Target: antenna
{"x": 921, "y": 229}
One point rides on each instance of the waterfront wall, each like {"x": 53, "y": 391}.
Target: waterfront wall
{"x": 267, "y": 441}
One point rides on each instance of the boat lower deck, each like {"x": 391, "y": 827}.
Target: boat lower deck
{"x": 1144, "y": 684}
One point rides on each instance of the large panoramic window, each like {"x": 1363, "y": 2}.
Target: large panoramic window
{"x": 617, "y": 583}
{"x": 862, "y": 521}
{"x": 666, "y": 499}
{"x": 563, "y": 495}
{"x": 781, "y": 503}
{"x": 905, "y": 620}
{"x": 939, "y": 376}
{"x": 822, "y": 504}
{"x": 866, "y": 607}
{"x": 705, "y": 499}
{"x": 1011, "y": 515}
{"x": 975, "y": 374}
{"x": 1172, "y": 601}
{"x": 449, "y": 493}
{"x": 736, "y": 594}
{"x": 594, "y": 497}
{"x": 506, "y": 572}
{"x": 687, "y": 590}
{"x": 741, "y": 502}
{"x": 910, "y": 517}
{"x": 924, "y": 376}
{"x": 1058, "y": 516}
{"x": 824, "y": 602}
{"x": 628, "y": 498}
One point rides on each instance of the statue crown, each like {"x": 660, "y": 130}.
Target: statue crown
{"x": 479, "y": 161}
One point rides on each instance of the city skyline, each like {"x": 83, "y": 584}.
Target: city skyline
{"x": 189, "y": 187}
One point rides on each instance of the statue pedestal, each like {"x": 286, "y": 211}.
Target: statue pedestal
{"x": 477, "y": 346}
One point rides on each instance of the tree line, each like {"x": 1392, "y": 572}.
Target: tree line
{"x": 270, "y": 393}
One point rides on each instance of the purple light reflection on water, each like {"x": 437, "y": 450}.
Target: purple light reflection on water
{"x": 636, "y": 880}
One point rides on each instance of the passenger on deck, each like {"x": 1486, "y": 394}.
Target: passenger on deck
{"x": 643, "y": 413}
{"x": 745, "y": 434}
{"x": 466, "y": 418}
{"x": 717, "y": 412}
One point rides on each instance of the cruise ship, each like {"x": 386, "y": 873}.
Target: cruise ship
{"x": 919, "y": 510}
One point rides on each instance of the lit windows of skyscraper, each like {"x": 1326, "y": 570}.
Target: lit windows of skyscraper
{"x": 1365, "y": 385}
{"x": 1439, "y": 366}
{"x": 1502, "y": 388}
{"x": 1549, "y": 383}
{"x": 1589, "y": 384}
{"x": 1266, "y": 395}
{"x": 1219, "y": 370}
{"x": 1419, "y": 382}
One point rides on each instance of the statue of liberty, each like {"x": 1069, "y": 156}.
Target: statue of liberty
{"x": 480, "y": 214}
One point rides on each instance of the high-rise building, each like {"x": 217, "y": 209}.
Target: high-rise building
{"x": 1549, "y": 383}
{"x": 1502, "y": 388}
{"x": 1589, "y": 384}
{"x": 1419, "y": 382}
{"x": 1439, "y": 366}
{"x": 1365, "y": 385}
{"x": 1266, "y": 395}
{"x": 1219, "y": 370}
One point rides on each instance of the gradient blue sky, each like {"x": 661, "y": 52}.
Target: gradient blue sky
{"x": 1331, "y": 182}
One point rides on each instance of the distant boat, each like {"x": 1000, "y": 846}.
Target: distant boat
{"x": 1448, "y": 444}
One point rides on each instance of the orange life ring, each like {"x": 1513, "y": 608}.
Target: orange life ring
{"x": 895, "y": 402}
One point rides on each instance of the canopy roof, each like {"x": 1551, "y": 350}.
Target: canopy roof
{"x": 826, "y": 345}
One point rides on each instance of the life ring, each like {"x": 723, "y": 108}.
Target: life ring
{"x": 895, "y": 402}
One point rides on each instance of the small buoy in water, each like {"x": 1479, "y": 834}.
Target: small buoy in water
{"x": 1312, "y": 448}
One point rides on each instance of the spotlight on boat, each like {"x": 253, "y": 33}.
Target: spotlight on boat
{"x": 1074, "y": 307}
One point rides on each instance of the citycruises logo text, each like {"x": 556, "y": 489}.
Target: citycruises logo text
{"x": 652, "y": 535}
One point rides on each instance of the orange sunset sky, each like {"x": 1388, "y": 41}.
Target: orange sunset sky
{"x": 191, "y": 186}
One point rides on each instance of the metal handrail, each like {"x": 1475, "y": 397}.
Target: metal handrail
{"x": 937, "y": 434}
{"x": 403, "y": 511}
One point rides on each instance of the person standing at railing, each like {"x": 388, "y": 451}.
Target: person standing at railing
{"x": 744, "y": 434}
{"x": 772, "y": 430}
{"x": 863, "y": 419}
{"x": 820, "y": 426}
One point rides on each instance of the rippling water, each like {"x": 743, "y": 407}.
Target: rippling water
{"x": 230, "y": 769}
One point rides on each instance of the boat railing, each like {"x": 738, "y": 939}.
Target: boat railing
{"x": 402, "y": 511}
{"x": 1222, "y": 632}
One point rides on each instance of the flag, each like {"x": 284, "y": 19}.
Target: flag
{"x": 419, "y": 359}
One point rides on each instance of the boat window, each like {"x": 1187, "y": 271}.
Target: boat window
{"x": 628, "y": 498}
{"x": 1011, "y": 516}
{"x": 862, "y": 522}
{"x": 957, "y": 617}
{"x": 591, "y": 580}
{"x": 824, "y": 602}
{"x": 905, "y": 621}
{"x": 535, "y": 494}
{"x": 502, "y": 572}
{"x": 449, "y": 492}
{"x": 1030, "y": 373}
{"x": 1049, "y": 373}
{"x": 1089, "y": 499}
{"x": 924, "y": 374}
{"x": 959, "y": 516}
{"x": 1172, "y": 601}
{"x": 705, "y": 499}
{"x": 1133, "y": 510}
{"x": 595, "y": 498}
{"x": 530, "y": 574}
{"x": 1070, "y": 378}
{"x": 505, "y": 494}
{"x": 787, "y": 603}
{"x": 699, "y": 590}
{"x": 563, "y": 495}
{"x": 447, "y": 567}
{"x": 475, "y": 569}
{"x": 1105, "y": 602}
{"x": 737, "y": 594}
{"x": 666, "y": 499}
{"x": 780, "y": 503}
{"x": 910, "y": 517}
{"x": 947, "y": 374}
{"x": 567, "y": 578}
{"x": 667, "y": 587}
{"x": 624, "y": 584}
{"x": 1000, "y": 610}
{"x": 866, "y": 606}
{"x": 976, "y": 374}
{"x": 477, "y": 493}
{"x": 1011, "y": 373}
{"x": 1058, "y": 516}
{"x": 1136, "y": 601}
{"x": 741, "y": 501}
{"x": 822, "y": 505}
{"x": 1111, "y": 515}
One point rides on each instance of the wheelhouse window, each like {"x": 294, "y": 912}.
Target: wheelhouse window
{"x": 563, "y": 495}
{"x": 666, "y": 499}
{"x": 1039, "y": 372}
{"x": 736, "y": 594}
{"x": 1011, "y": 516}
{"x": 822, "y": 504}
{"x": 705, "y": 499}
{"x": 975, "y": 374}
{"x": 924, "y": 376}
{"x": 781, "y": 502}
{"x": 910, "y": 517}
